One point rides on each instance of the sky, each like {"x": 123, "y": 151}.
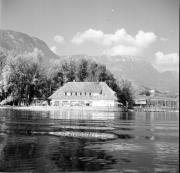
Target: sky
{"x": 145, "y": 28}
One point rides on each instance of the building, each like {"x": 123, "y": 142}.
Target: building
{"x": 84, "y": 94}
{"x": 159, "y": 102}
{"x": 164, "y": 102}
{"x": 140, "y": 101}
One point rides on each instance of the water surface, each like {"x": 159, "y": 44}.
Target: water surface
{"x": 88, "y": 141}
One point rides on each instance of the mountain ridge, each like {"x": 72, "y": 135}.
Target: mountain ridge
{"x": 21, "y": 43}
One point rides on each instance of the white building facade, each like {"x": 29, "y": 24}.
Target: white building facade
{"x": 94, "y": 94}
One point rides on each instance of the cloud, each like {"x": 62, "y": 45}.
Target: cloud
{"x": 59, "y": 38}
{"x": 166, "y": 62}
{"x": 144, "y": 39}
{"x": 118, "y": 42}
{"x": 89, "y": 35}
{"x": 54, "y": 49}
{"x": 119, "y": 37}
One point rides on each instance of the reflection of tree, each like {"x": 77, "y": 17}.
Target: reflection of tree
{"x": 72, "y": 155}
{"x": 48, "y": 153}
{"x": 3, "y": 142}
{"x": 18, "y": 154}
{"x": 127, "y": 116}
{"x": 25, "y": 122}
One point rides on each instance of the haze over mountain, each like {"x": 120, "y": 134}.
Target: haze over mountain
{"x": 140, "y": 72}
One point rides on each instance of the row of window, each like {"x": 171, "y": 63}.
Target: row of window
{"x": 70, "y": 94}
{"x": 72, "y": 103}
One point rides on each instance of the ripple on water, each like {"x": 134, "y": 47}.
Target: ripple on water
{"x": 79, "y": 134}
{"x": 117, "y": 147}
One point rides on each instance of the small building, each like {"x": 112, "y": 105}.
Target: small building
{"x": 159, "y": 102}
{"x": 39, "y": 102}
{"x": 84, "y": 94}
{"x": 140, "y": 101}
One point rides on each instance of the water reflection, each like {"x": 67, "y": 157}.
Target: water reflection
{"x": 47, "y": 153}
{"x": 82, "y": 115}
{"x": 88, "y": 141}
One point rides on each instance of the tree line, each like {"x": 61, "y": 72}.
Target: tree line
{"x": 24, "y": 77}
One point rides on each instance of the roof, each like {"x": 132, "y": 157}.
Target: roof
{"x": 105, "y": 92}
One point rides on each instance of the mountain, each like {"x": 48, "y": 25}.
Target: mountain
{"x": 139, "y": 71}
{"x": 142, "y": 73}
{"x": 20, "y": 43}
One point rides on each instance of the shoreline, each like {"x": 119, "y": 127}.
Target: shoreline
{"x": 79, "y": 108}
{"x": 54, "y": 108}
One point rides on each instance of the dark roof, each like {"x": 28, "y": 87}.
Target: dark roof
{"x": 102, "y": 88}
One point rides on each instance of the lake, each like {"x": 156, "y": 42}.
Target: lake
{"x": 59, "y": 141}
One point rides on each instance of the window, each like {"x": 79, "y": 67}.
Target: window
{"x": 56, "y": 103}
{"x": 65, "y": 94}
{"x": 80, "y": 94}
{"x": 65, "y": 103}
{"x": 95, "y": 94}
{"x": 89, "y": 94}
{"x": 85, "y": 93}
{"x": 76, "y": 93}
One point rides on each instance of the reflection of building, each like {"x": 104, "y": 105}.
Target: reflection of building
{"x": 82, "y": 115}
{"x": 83, "y": 124}
{"x": 84, "y": 94}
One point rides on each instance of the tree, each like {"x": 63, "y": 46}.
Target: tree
{"x": 82, "y": 72}
{"x": 124, "y": 93}
{"x": 1, "y": 91}
{"x": 146, "y": 93}
{"x": 54, "y": 78}
{"x": 20, "y": 77}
